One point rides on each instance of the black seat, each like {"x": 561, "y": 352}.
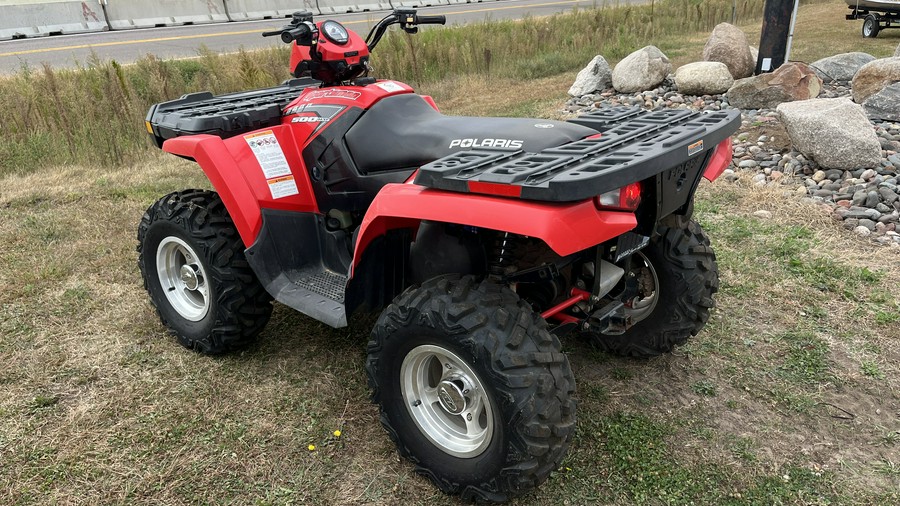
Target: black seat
{"x": 404, "y": 131}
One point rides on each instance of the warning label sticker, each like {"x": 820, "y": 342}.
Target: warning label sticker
{"x": 268, "y": 153}
{"x": 695, "y": 148}
{"x": 274, "y": 166}
{"x": 284, "y": 186}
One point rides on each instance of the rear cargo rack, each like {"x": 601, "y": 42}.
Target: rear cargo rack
{"x": 223, "y": 115}
{"x": 634, "y": 145}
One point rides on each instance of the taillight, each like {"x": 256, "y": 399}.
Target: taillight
{"x": 627, "y": 198}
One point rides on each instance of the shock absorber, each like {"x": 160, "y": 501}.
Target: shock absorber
{"x": 502, "y": 254}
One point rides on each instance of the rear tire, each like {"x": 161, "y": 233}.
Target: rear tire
{"x": 192, "y": 261}
{"x": 683, "y": 267}
{"x": 454, "y": 347}
{"x": 870, "y": 27}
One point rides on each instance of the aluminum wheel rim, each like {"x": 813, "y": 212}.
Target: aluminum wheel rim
{"x": 447, "y": 401}
{"x": 868, "y": 27}
{"x": 641, "y": 308}
{"x": 182, "y": 278}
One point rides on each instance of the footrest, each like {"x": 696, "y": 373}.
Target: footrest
{"x": 327, "y": 284}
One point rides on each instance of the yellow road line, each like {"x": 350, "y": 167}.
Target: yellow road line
{"x": 245, "y": 32}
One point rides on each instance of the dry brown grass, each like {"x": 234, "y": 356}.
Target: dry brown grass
{"x": 98, "y": 405}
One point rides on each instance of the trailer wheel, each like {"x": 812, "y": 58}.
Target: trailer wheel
{"x": 472, "y": 387}
{"x": 193, "y": 265}
{"x": 870, "y": 27}
{"x": 677, "y": 275}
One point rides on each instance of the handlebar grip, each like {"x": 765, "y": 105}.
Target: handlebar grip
{"x": 272, "y": 33}
{"x": 431, "y": 20}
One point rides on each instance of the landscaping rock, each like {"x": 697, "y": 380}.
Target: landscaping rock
{"x": 703, "y": 78}
{"x": 885, "y": 104}
{"x": 874, "y": 77}
{"x": 596, "y": 76}
{"x": 728, "y": 44}
{"x": 754, "y": 53}
{"x": 642, "y": 70}
{"x": 840, "y": 67}
{"x": 834, "y": 132}
{"x": 790, "y": 82}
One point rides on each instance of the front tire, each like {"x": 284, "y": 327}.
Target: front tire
{"x": 472, "y": 388}
{"x": 193, "y": 265}
{"x": 678, "y": 277}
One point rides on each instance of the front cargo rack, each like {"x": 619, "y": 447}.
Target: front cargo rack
{"x": 634, "y": 145}
{"x": 224, "y": 115}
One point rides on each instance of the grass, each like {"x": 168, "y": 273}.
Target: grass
{"x": 788, "y": 396}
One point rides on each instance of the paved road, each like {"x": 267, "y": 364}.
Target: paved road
{"x": 183, "y": 41}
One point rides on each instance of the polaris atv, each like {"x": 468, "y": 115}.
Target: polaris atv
{"x": 480, "y": 240}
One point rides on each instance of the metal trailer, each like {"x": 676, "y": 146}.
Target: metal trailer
{"x": 876, "y": 15}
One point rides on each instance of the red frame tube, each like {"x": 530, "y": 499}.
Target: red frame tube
{"x": 577, "y": 296}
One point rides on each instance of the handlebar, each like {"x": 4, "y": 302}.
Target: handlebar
{"x": 290, "y": 33}
{"x": 408, "y": 21}
{"x": 431, "y": 20}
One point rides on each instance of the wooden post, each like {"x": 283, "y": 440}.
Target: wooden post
{"x": 776, "y": 31}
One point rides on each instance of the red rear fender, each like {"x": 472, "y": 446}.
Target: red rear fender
{"x": 566, "y": 228}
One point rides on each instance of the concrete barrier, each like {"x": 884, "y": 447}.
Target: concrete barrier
{"x": 342, "y": 6}
{"x": 246, "y": 10}
{"x": 37, "y": 18}
{"x": 124, "y": 14}
{"x": 414, "y": 4}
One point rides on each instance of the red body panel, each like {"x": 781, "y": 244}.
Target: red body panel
{"x": 566, "y": 228}
{"x": 719, "y": 161}
{"x": 350, "y": 96}
{"x": 236, "y": 173}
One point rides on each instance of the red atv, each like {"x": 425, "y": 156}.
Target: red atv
{"x": 480, "y": 240}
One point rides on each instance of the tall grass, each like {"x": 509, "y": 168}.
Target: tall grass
{"x": 93, "y": 114}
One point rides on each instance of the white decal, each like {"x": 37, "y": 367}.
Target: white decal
{"x": 389, "y": 86}
{"x": 486, "y": 143}
{"x": 284, "y": 186}
{"x": 268, "y": 153}
{"x": 309, "y": 119}
{"x": 543, "y": 125}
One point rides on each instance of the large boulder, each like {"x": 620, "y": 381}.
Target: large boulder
{"x": 728, "y": 44}
{"x": 884, "y": 105}
{"x": 790, "y": 82}
{"x": 642, "y": 70}
{"x": 834, "y": 132}
{"x": 596, "y": 76}
{"x": 873, "y": 77}
{"x": 754, "y": 53}
{"x": 703, "y": 78}
{"x": 841, "y": 67}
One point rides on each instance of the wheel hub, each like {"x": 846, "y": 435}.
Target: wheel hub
{"x": 451, "y": 397}
{"x": 189, "y": 277}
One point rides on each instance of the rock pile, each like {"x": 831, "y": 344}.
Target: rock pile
{"x": 832, "y": 150}
{"x": 866, "y": 200}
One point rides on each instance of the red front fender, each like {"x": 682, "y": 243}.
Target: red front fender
{"x": 226, "y": 177}
{"x": 565, "y": 227}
